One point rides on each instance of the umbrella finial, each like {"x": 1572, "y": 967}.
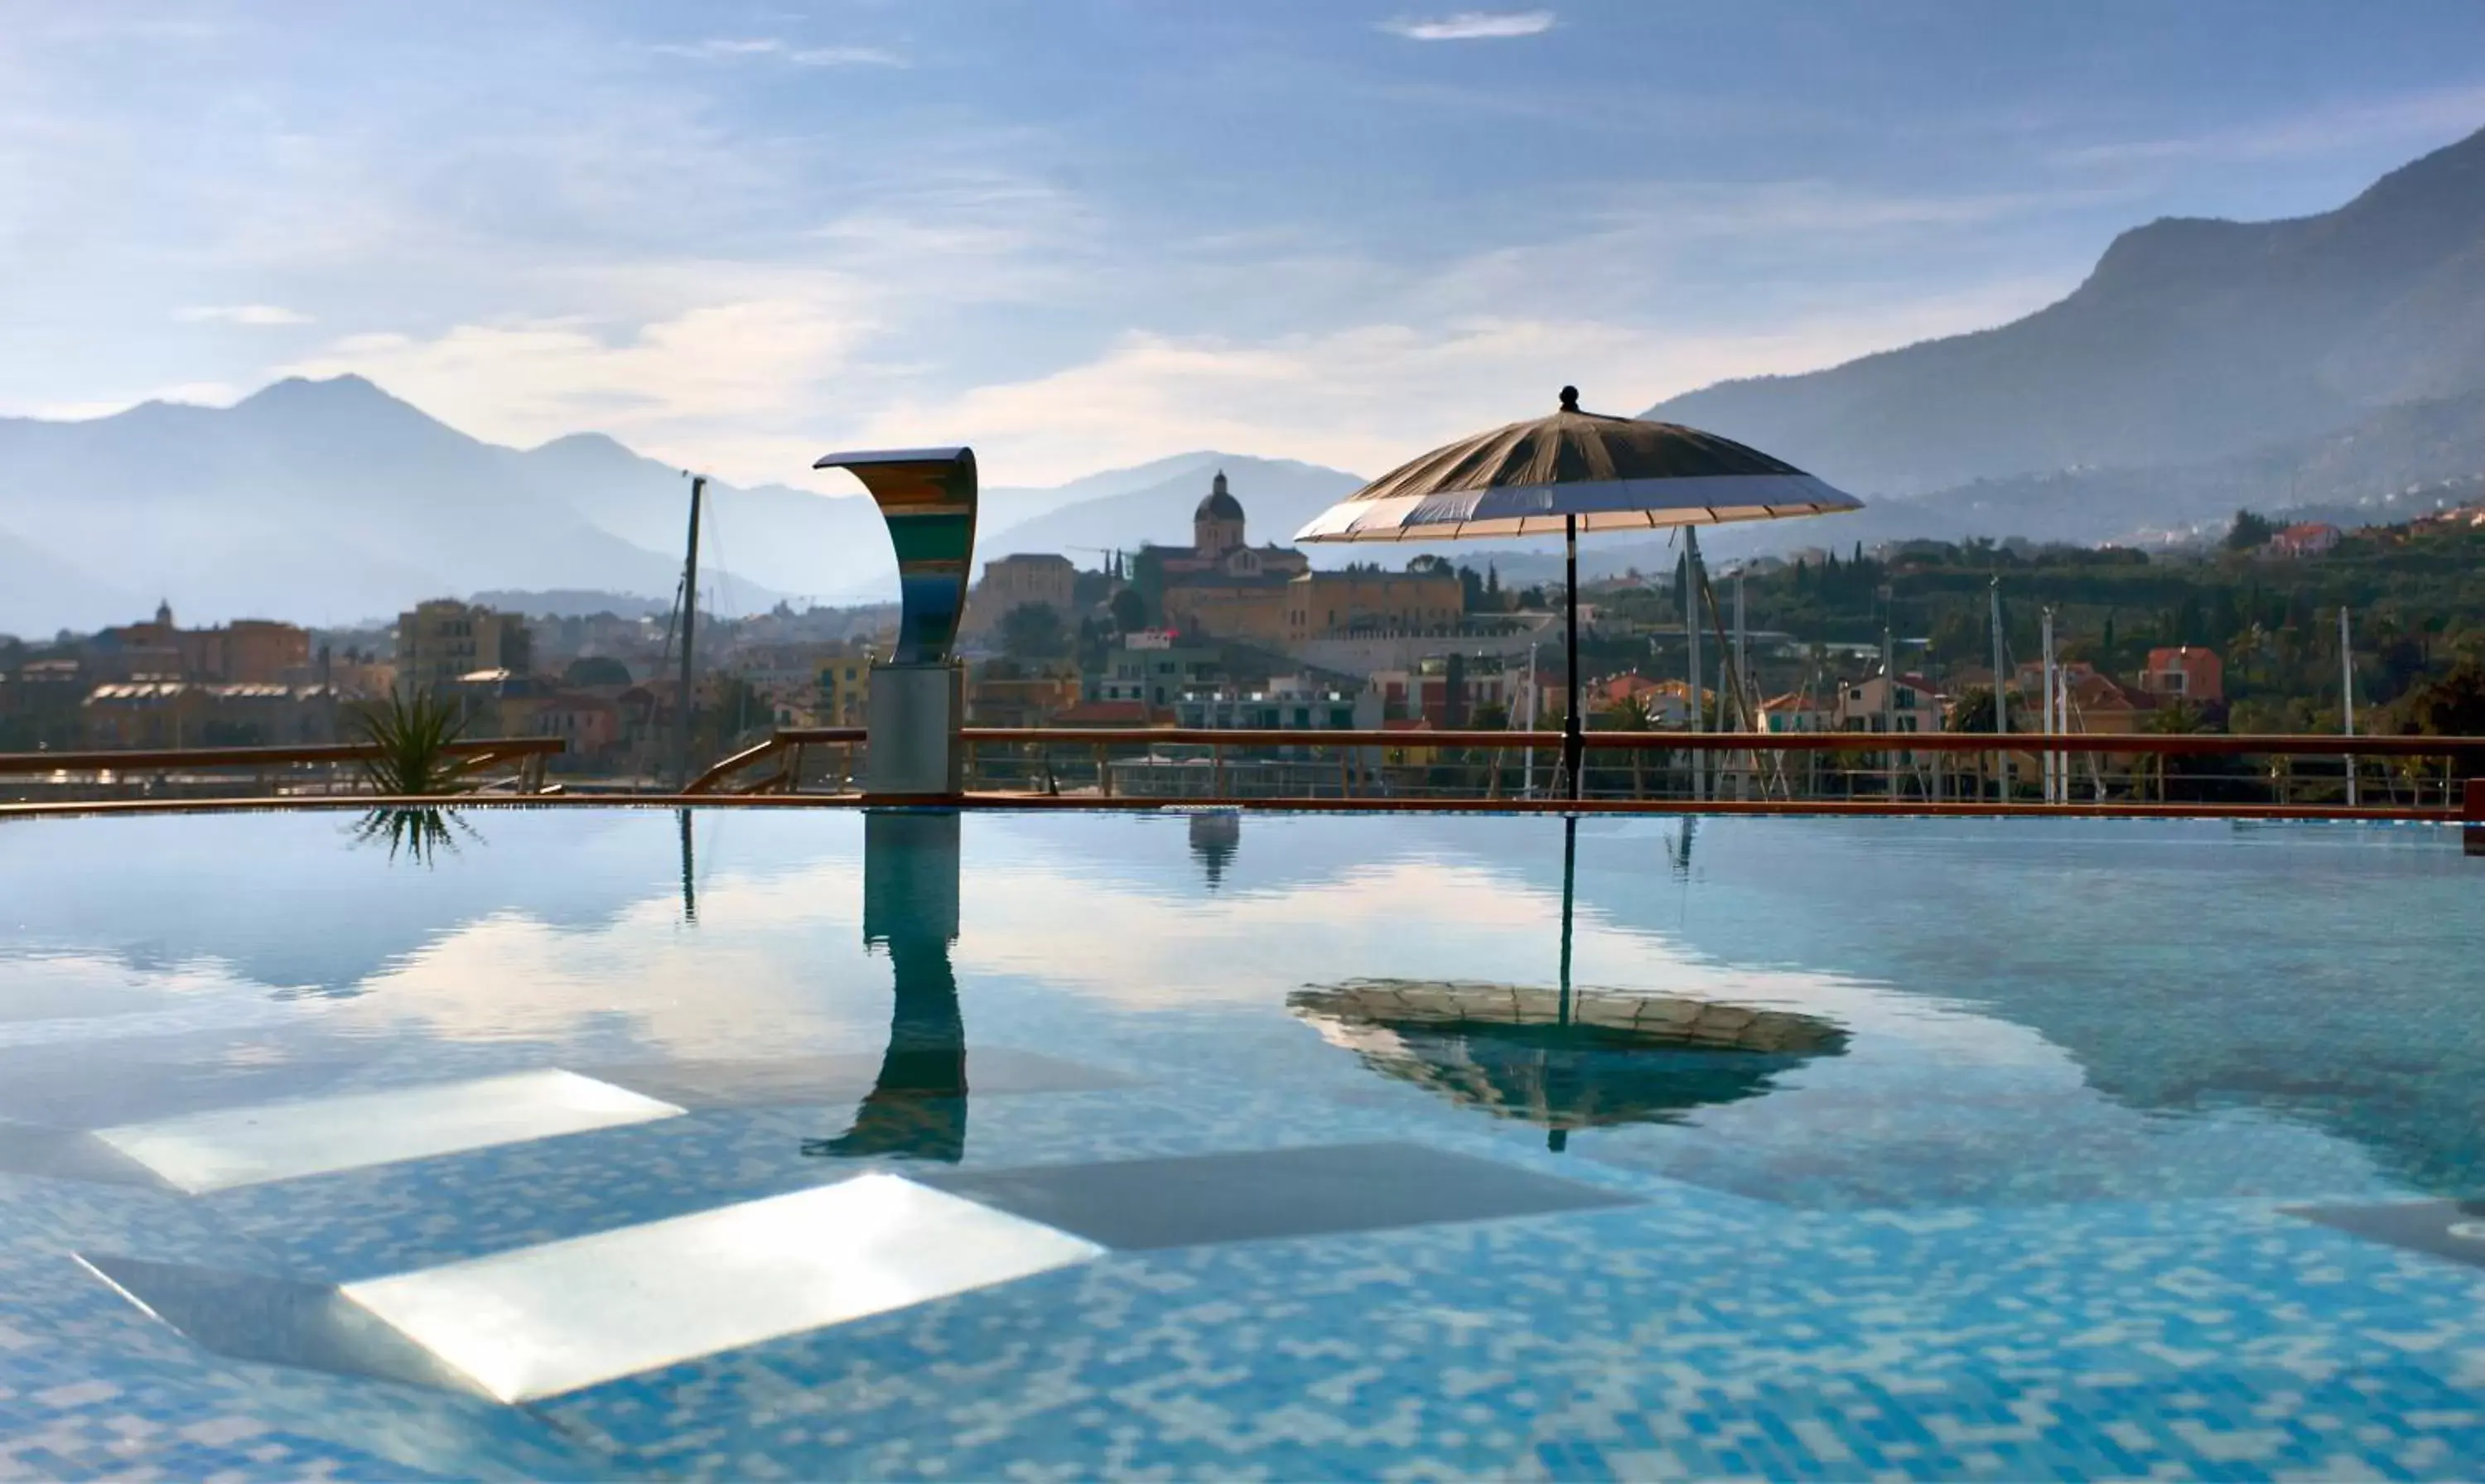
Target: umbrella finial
{"x": 1571, "y": 399}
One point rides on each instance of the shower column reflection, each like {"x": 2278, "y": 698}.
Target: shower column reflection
{"x": 918, "y": 1107}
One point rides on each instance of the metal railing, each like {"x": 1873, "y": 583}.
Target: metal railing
{"x": 2391, "y": 777}
{"x": 305, "y": 770}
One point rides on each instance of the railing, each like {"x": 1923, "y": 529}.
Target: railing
{"x": 2397, "y": 777}
{"x": 311, "y": 770}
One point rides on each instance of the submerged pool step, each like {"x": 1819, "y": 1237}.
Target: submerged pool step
{"x": 235, "y": 1146}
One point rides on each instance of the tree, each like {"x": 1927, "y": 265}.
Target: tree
{"x": 2175, "y": 718}
{"x": 1630, "y": 713}
{"x": 2249, "y": 532}
{"x": 2449, "y": 705}
{"x": 1034, "y": 631}
{"x": 595, "y": 670}
{"x": 1973, "y": 711}
{"x": 1129, "y": 611}
{"x": 1428, "y": 565}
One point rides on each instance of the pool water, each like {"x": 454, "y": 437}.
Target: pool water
{"x": 607, "y": 1142}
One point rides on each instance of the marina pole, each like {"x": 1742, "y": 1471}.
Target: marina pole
{"x": 690, "y": 621}
{"x": 2347, "y": 695}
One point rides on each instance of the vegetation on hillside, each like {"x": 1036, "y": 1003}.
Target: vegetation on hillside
{"x": 2416, "y": 596}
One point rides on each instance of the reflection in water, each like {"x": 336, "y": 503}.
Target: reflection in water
{"x": 1564, "y": 1059}
{"x": 1215, "y": 834}
{"x": 689, "y": 891}
{"x": 1595, "y": 1058}
{"x": 918, "y": 1107}
{"x": 422, "y": 834}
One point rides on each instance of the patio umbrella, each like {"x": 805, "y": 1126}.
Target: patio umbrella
{"x": 1570, "y": 473}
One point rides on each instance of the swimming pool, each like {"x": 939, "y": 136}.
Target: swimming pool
{"x": 776, "y": 1142}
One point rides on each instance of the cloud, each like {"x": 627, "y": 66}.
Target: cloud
{"x": 723, "y": 48}
{"x": 2435, "y": 115}
{"x": 727, "y": 385}
{"x": 1472, "y": 26}
{"x": 844, "y": 56}
{"x": 254, "y": 314}
{"x": 1367, "y": 398}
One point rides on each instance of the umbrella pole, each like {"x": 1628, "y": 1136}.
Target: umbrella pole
{"x": 1573, "y": 749}
{"x": 1558, "y": 1138}
{"x": 1570, "y": 874}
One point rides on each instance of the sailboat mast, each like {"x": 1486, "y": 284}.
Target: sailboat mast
{"x": 690, "y": 623}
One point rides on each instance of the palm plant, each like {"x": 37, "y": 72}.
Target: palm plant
{"x": 412, "y": 737}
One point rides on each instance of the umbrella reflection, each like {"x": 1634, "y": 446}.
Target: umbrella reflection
{"x": 1605, "y": 1058}
{"x": 1563, "y": 1058}
{"x": 917, "y": 1106}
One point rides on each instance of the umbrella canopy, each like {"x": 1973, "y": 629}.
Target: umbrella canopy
{"x": 1595, "y": 1059}
{"x": 1604, "y": 474}
{"x": 1570, "y": 473}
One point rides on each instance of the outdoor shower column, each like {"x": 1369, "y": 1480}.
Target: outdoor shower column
{"x": 919, "y": 695}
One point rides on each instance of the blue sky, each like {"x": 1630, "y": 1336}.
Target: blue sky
{"x": 1082, "y": 233}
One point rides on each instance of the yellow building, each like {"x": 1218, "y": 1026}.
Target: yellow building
{"x": 1372, "y": 604}
{"x": 1226, "y": 589}
{"x": 1042, "y": 579}
{"x": 845, "y": 690}
{"x": 443, "y": 640}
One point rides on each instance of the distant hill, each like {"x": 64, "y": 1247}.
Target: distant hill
{"x": 332, "y": 501}
{"x": 1154, "y": 502}
{"x": 2193, "y": 340}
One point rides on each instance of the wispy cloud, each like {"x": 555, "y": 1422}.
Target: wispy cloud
{"x": 1365, "y": 397}
{"x": 2436, "y": 116}
{"x": 729, "y": 49}
{"x": 256, "y": 314}
{"x": 844, "y": 56}
{"x": 1471, "y": 26}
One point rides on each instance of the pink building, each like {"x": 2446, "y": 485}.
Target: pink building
{"x": 2312, "y": 539}
{"x": 2188, "y": 672}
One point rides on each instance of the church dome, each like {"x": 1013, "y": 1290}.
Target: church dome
{"x": 1221, "y": 503}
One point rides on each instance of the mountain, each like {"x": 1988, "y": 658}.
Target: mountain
{"x": 2192, "y": 341}
{"x": 1154, "y": 502}
{"x": 332, "y": 501}
{"x": 40, "y": 592}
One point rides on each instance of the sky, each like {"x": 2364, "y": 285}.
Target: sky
{"x": 1083, "y": 233}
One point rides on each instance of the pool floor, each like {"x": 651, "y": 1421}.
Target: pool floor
{"x": 1048, "y": 1147}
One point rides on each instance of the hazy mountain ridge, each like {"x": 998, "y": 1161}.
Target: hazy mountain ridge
{"x": 333, "y": 501}
{"x": 2190, "y": 341}
{"x": 1154, "y": 502}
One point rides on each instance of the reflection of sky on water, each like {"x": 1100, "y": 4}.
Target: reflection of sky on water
{"x": 2298, "y": 1002}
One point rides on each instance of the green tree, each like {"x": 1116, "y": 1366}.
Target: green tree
{"x": 595, "y": 670}
{"x": 1973, "y": 711}
{"x": 2249, "y": 532}
{"x": 2175, "y": 718}
{"x": 1129, "y": 611}
{"x": 1034, "y": 631}
{"x": 2449, "y": 705}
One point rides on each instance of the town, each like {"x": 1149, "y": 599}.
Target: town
{"x": 1228, "y": 633}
